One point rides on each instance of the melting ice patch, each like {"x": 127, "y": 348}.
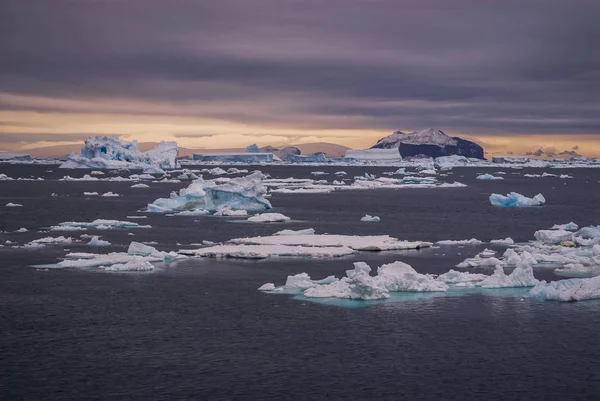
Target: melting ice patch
{"x": 514, "y": 199}
{"x": 241, "y": 193}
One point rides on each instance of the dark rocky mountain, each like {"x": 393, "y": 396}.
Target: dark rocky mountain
{"x": 429, "y": 143}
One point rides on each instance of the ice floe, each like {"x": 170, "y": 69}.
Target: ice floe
{"x": 488, "y": 177}
{"x": 268, "y": 218}
{"x": 370, "y": 219}
{"x": 10, "y": 204}
{"x": 98, "y": 224}
{"x": 505, "y": 241}
{"x": 110, "y": 195}
{"x": 96, "y": 241}
{"x": 472, "y": 241}
{"x": 514, "y": 199}
{"x": 140, "y": 186}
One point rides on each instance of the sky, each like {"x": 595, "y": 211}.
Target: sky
{"x": 513, "y": 75}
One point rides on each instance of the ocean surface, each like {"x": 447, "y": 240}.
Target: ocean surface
{"x": 199, "y": 329}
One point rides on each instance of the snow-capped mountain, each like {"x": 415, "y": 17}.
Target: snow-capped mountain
{"x": 429, "y": 143}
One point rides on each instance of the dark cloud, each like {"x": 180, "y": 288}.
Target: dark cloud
{"x": 469, "y": 65}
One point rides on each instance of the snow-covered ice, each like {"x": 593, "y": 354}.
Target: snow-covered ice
{"x": 570, "y": 290}
{"x": 472, "y": 241}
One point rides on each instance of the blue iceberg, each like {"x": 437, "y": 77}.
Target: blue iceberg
{"x": 242, "y": 193}
{"x": 514, "y": 199}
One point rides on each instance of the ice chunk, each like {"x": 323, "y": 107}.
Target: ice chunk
{"x": 136, "y": 264}
{"x": 505, "y": 241}
{"x": 448, "y": 162}
{"x": 521, "y": 276}
{"x": 307, "y": 231}
{"x": 241, "y": 193}
{"x": 96, "y": 241}
{"x": 22, "y": 230}
{"x": 455, "y": 277}
{"x": 488, "y": 177}
{"x": 514, "y": 199}
{"x": 140, "y": 186}
{"x": 569, "y": 226}
{"x": 102, "y": 152}
{"x": 375, "y": 155}
{"x": 472, "y": 241}
{"x": 10, "y": 204}
{"x": 553, "y": 237}
{"x": 99, "y": 224}
{"x": 267, "y": 287}
{"x": 590, "y": 232}
{"x": 370, "y": 219}
{"x": 110, "y": 195}
{"x": 231, "y": 213}
{"x": 191, "y": 213}
{"x": 90, "y": 193}
{"x": 4, "y": 177}
{"x": 268, "y": 218}
{"x": 567, "y": 290}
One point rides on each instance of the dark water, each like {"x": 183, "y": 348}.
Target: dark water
{"x": 201, "y": 330}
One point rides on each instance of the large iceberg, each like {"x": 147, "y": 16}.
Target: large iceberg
{"x": 103, "y": 152}
{"x": 241, "y": 193}
{"x": 575, "y": 289}
{"x": 359, "y": 284}
{"x": 514, "y": 199}
{"x": 376, "y": 155}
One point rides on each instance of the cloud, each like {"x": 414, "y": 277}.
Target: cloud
{"x": 14, "y": 138}
{"x": 477, "y": 67}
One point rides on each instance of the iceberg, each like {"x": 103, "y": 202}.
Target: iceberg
{"x": 553, "y": 237}
{"x": 245, "y": 158}
{"x": 575, "y": 289}
{"x": 136, "y": 253}
{"x": 96, "y": 241}
{"x": 10, "y": 204}
{"x": 307, "y": 231}
{"x": 569, "y": 226}
{"x": 231, "y": 213}
{"x": 110, "y": 195}
{"x": 359, "y": 284}
{"x": 448, "y": 162}
{"x": 103, "y": 152}
{"x": 375, "y": 155}
{"x": 488, "y": 177}
{"x": 90, "y": 193}
{"x": 268, "y": 218}
{"x": 370, "y": 219}
{"x": 241, "y": 193}
{"x": 140, "y": 186}
{"x": 505, "y": 241}
{"x": 514, "y": 199}
{"x": 136, "y": 264}
{"x": 456, "y": 277}
{"x": 98, "y": 224}
{"x": 472, "y": 241}
{"x": 521, "y": 276}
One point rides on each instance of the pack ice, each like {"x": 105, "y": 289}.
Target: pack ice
{"x": 241, "y": 193}
{"x": 103, "y": 152}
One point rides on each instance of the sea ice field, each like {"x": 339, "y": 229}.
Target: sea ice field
{"x": 298, "y": 282}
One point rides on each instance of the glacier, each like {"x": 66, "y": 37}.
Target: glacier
{"x": 240, "y": 193}
{"x": 514, "y": 199}
{"x": 104, "y": 152}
